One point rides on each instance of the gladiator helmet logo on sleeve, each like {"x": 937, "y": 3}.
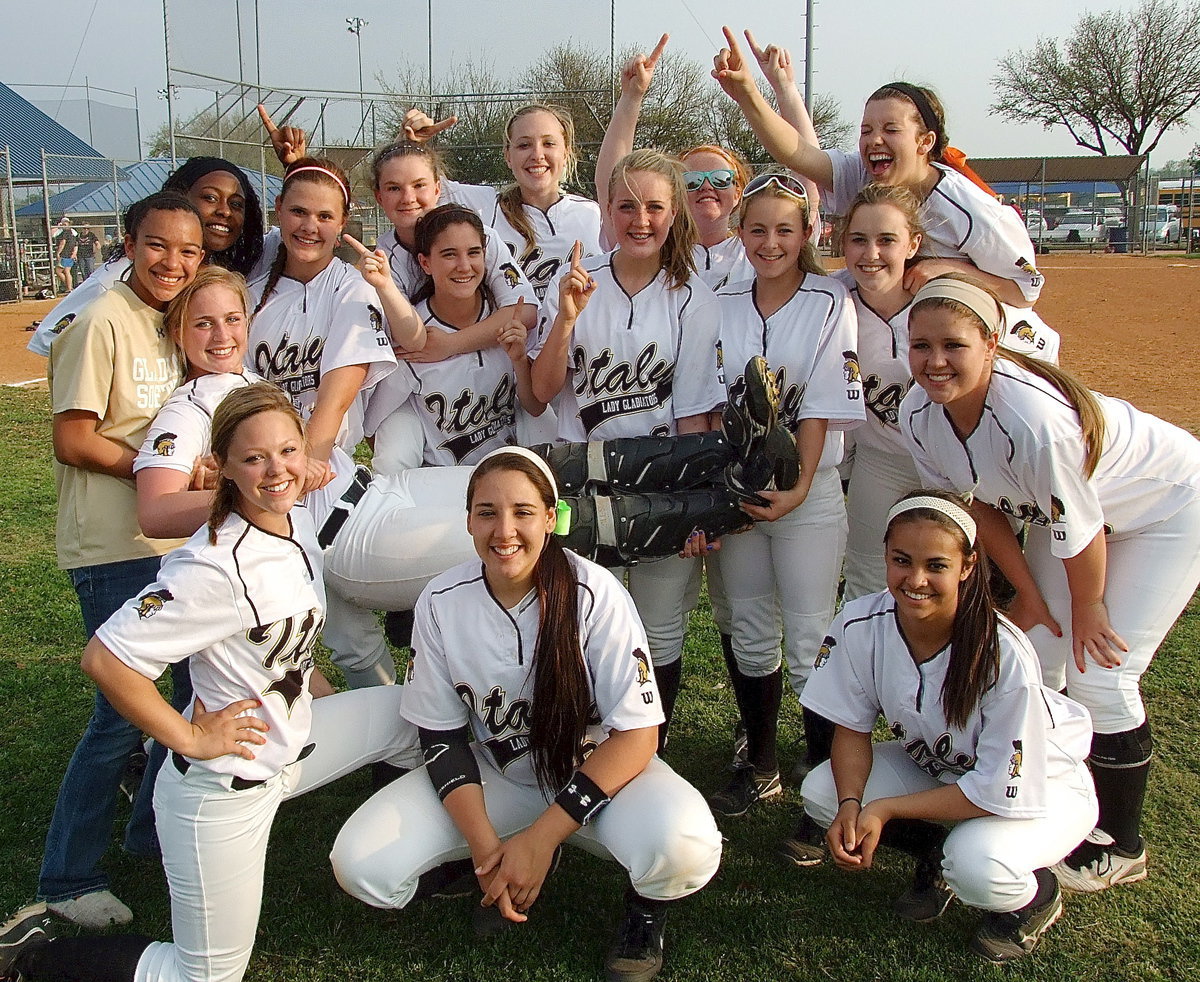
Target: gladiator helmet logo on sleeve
{"x": 151, "y": 603}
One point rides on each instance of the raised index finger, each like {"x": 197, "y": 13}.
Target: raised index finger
{"x": 735, "y": 53}
{"x": 358, "y": 247}
{"x": 754, "y": 48}
{"x": 658, "y": 50}
{"x": 576, "y": 254}
{"x": 266, "y": 119}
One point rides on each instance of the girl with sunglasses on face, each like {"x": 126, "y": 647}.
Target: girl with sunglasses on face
{"x": 795, "y": 330}
{"x": 630, "y": 349}
{"x": 984, "y": 783}
{"x": 902, "y": 141}
{"x": 536, "y": 217}
{"x": 1111, "y": 496}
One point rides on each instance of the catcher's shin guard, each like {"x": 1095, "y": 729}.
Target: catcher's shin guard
{"x": 620, "y": 530}
{"x": 644, "y": 463}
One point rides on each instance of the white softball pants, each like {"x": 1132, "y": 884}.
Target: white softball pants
{"x": 989, "y": 862}
{"x": 781, "y": 580}
{"x": 657, "y": 827}
{"x": 665, "y": 591}
{"x": 877, "y": 481}
{"x": 407, "y": 528}
{"x": 214, "y": 839}
{"x": 1151, "y": 576}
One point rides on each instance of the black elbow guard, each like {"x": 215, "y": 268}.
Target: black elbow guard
{"x": 448, "y": 759}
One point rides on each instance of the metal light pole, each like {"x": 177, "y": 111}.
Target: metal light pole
{"x": 429, "y": 38}
{"x": 808, "y": 55}
{"x": 355, "y": 28}
{"x": 167, "y": 92}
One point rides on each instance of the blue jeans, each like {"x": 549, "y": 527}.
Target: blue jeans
{"x": 86, "y": 807}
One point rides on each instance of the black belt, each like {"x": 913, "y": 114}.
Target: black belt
{"x": 238, "y": 783}
{"x": 344, "y": 505}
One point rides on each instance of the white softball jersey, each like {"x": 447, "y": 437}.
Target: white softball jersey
{"x": 1026, "y": 459}
{"x": 247, "y": 612}
{"x": 503, "y": 277}
{"x": 571, "y": 218}
{"x": 63, "y": 314}
{"x": 723, "y": 263}
{"x": 182, "y": 429}
{"x": 636, "y": 363}
{"x": 308, "y": 329}
{"x": 467, "y": 404}
{"x": 810, "y": 344}
{"x": 1020, "y": 738}
{"x": 960, "y": 219}
{"x": 883, "y": 364}
{"x": 473, "y": 662}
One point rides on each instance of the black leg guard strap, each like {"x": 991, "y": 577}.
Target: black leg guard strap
{"x": 1120, "y": 768}
{"x": 84, "y": 959}
{"x": 644, "y": 463}
{"x": 620, "y": 530}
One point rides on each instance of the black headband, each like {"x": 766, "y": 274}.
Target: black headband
{"x": 921, "y": 101}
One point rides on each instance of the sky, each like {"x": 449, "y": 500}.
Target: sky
{"x": 951, "y": 45}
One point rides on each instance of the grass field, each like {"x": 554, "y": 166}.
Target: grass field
{"x": 756, "y": 920}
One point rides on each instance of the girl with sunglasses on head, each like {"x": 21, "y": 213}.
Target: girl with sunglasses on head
{"x": 903, "y": 141}
{"x": 984, "y": 783}
{"x": 714, "y": 175}
{"x": 630, "y": 349}
{"x": 1111, "y": 496}
{"x": 318, "y": 330}
{"x": 243, "y": 601}
{"x": 538, "y": 714}
{"x": 231, "y": 219}
{"x": 537, "y": 219}
{"x": 795, "y": 330}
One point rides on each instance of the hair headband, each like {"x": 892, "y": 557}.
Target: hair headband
{"x": 976, "y": 299}
{"x": 956, "y": 513}
{"x": 528, "y": 455}
{"x": 921, "y": 101}
{"x": 323, "y": 170}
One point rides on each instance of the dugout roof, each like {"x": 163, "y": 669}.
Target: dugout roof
{"x": 27, "y": 131}
{"x": 1051, "y": 170}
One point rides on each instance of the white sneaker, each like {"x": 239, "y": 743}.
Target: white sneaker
{"x": 96, "y": 910}
{"x": 1097, "y": 864}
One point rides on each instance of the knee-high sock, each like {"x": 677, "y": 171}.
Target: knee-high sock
{"x": 818, "y": 738}
{"x": 1120, "y": 765}
{"x": 113, "y": 959}
{"x": 668, "y": 678}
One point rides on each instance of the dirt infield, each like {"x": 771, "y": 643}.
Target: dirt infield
{"x": 1128, "y": 325}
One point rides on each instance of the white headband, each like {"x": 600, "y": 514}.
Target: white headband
{"x": 972, "y": 297}
{"x": 528, "y": 455}
{"x": 957, "y": 514}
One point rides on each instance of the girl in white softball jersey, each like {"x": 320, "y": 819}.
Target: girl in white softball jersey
{"x": 781, "y": 575}
{"x": 980, "y": 743}
{"x": 244, "y": 600}
{"x": 1112, "y": 496}
{"x": 535, "y": 216}
{"x": 902, "y": 140}
{"x": 318, "y": 330}
{"x": 628, "y": 347}
{"x": 408, "y": 184}
{"x": 467, "y": 403}
{"x": 527, "y": 625}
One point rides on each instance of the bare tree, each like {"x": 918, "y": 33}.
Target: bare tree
{"x": 1125, "y": 77}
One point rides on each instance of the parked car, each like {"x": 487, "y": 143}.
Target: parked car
{"x": 1169, "y": 233}
{"x": 1037, "y": 225}
{"x": 1079, "y": 226}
